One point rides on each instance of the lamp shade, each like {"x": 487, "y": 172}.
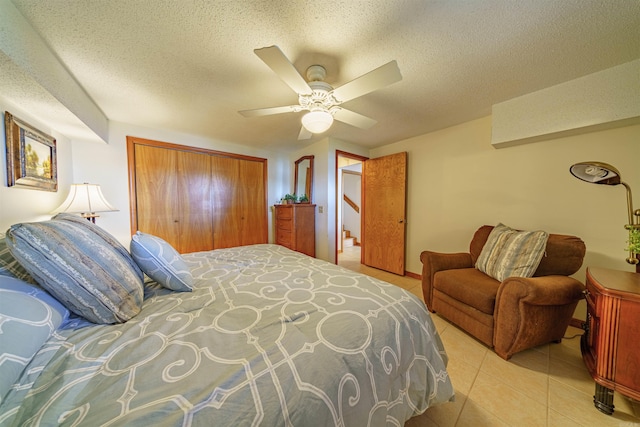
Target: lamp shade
{"x": 86, "y": 199}
{"x": 596, "y": 173}
{"x": 317, "y": 121}
{"x": 604, "y": 173}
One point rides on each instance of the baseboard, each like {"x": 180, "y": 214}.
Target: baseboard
{"x": 413, "y": 275}
{"x": 576, "y": 323}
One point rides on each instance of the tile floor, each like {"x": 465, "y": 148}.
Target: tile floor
{"x": 544, "y": 386}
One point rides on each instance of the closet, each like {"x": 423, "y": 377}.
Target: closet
{"x": 196, "y": 199}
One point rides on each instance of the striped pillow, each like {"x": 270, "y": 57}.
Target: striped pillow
{"x": 103, "y": 235}
{"x": 511, "y": 253}
{"x": 81, "y": 269}
{"x": 9, "y": 266}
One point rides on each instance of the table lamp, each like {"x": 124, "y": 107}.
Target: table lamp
{"x": 85, "y": 199}
{"x": 603, "y": 173}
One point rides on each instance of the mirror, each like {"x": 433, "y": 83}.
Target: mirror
{"x": 303, "y": 178}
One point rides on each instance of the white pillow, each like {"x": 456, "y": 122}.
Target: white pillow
{"x": 160, "y": 261}
{"x": 511, "y": 253}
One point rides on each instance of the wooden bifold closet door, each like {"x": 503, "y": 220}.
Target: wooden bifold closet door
{"x": 196, "y": 199}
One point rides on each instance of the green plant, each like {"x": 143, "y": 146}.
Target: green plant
{"x": 634, "y": 240}
{"x": 290, "y": 198}
{"x": 303, "y": 198}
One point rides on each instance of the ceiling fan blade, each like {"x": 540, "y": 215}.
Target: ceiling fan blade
{"x": 352, "y": 118}
{"x": 280, "y": 64}
{"x": 373, "y": 80}
{"x": 268, "y": 111}
{"x": 304, "y": 134}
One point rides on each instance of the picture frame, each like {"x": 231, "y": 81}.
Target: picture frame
{"x": 31, "y": 156}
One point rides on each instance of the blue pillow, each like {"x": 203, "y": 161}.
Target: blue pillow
{"x": 160, "y": 261}
{"x": 29, "y": 317}
{"x": 81, "y": 268}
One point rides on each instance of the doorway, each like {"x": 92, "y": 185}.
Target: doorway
{"x": 348, "y": 207}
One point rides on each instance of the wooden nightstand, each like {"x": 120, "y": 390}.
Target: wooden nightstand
{"x": 611, "y": 343}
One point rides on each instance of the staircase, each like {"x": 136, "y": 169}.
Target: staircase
{"x": 348, "y": 240}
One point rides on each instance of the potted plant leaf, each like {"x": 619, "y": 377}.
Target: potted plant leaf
{"x": 303, "y": 199}
{"x": 633, "y": 245}
{"x": 289, "y": 198}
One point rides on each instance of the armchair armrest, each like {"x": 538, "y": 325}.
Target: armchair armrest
{"x": 533, "y": 311}
{"x": 432, "y": 262}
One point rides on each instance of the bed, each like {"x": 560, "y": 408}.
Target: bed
{"x": 253, "y": 335}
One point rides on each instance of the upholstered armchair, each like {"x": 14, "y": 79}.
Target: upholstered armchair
{"x": 512, "y": 314}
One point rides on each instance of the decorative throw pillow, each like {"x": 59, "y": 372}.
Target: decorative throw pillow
{"x": 511, "y": 253}
{"x": 160, "y": 261}
{"x": 108, "y": 238}
{"x": 28, "y": 317}
{"x": 9, "y": 266}
{"x": 81, "y": 269}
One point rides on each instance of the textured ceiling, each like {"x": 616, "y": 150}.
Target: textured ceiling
{"x": 189, "y": 65}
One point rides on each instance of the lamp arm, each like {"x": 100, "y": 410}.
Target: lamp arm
{"x": 632, "y": 222}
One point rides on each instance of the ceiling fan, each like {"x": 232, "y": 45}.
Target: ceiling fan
{"x": 318, "y": 97}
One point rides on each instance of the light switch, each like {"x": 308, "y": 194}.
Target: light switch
{"x": 320, "y": 209}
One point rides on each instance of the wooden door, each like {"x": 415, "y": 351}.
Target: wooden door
{"x": 239, "y": 200}
{"x": 194, "y": 202}
{"x": 173, "y": 197}
{"x": 156, "y": 183}
{"x": 384, "y": 212}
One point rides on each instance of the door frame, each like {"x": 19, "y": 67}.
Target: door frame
{"x": 338, "y": 193}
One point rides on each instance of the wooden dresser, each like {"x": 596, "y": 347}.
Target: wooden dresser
{"x": 611, "y": 343}
{"x": 296, "y": 227}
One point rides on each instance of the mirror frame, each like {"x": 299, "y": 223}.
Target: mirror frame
{"x": 308, "y": 178}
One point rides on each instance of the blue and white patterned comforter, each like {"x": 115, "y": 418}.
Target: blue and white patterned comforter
{"x": 267, "y": 337}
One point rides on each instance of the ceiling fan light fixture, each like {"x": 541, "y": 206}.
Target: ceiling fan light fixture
{"x": 317, "y": 121}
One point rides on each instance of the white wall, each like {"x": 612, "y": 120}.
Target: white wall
{"x": 21, "y": 204}
{"x": 457, "y": 182}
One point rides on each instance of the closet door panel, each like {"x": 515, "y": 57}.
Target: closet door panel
{"x": 227, "y": 218}
{"x": 156, "y": 192}
{"x": 194, "y": 201}
{"x": 239, "y": 202}
{"x": 253, "y": 196}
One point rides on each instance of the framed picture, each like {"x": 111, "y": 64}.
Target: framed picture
{"x": 31, "y": 156}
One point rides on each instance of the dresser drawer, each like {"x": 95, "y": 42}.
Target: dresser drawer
{"x": 284, "y": 213}
{"x": 285, "y": 224}
{"x": 283, "y": 237}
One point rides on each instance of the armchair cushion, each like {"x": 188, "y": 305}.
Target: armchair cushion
{"x": 469, "y": 286}
{"x": 511, "y": 253}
